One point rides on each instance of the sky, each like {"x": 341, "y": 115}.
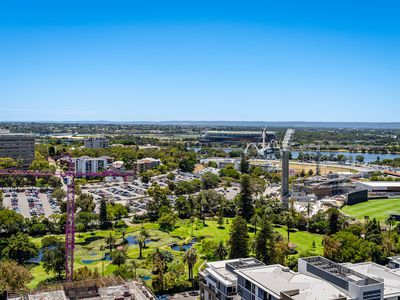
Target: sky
{"x": 200, "y": 60}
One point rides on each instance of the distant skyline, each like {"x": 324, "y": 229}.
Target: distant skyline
{"x": 209, "y": 60}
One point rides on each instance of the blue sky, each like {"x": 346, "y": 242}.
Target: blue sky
{"x": 200, "y": 60}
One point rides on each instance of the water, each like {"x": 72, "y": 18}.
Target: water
{"x": 184, "y": 247}
{"x": 145, "y": 278}
{"x": 368, "y": 157}
{"x": 37, "y": 259}
{"x": 106, "y": 257}
{"x": 132, "y": 240}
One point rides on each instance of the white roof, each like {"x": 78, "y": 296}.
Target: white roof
{"x": 381, "y": 183}
{"x": 276, "y": 279}
{"x": 390, "y": 277}
{"x": 219, "y": 271}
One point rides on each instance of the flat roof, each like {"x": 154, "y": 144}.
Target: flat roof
{"x": 276, "y": 279}
{"x": 390, "y": 277}
{"x": 380, "y": 183}
{"x": 218, "y": 270}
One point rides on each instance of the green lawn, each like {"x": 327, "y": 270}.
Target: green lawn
{"x": 183, "y": 233}
{"x": 379, "y": 209}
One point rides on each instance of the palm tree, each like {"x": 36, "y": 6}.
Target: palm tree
{"x": 190, "y": 259}
{"x": 254, "y": 221}
{"x": 221, "y": 251}
{"x": 141, "y": 240}
{"x": 390, "y": 222}
{"x": 289, "y": 222}
{"x": 110, "y": 240}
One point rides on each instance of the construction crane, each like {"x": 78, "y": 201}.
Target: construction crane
{"x": 285, "y": 153}
{"x": 68, "y": 177}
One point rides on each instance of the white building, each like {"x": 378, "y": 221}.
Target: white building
{"x": 96, "y": 142}
{"x": 87, "y": 164}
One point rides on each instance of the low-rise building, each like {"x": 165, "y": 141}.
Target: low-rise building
{"x": 222, "y": 162}
{"x": 142, "y": 165}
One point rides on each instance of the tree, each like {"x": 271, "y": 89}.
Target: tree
{"x": 110, "y": 241}
{"x": 182, "y": 207}
{"x": 10, "y": 222}
{"x": 141, "y": 240}
{"x": 20, "y": 248}
{"x": 221, "y": 218}
{"x": 209, "y": 180}
{"x": 187, "y": 163}
{"x": 13, "y": 276}
{"x": 104, "y": 223}
{"x": 85, "y": 202}
{"x": 254, "y": 221}
{"x": 288, "y": 219}
{"x": 360, "y": 158}
{"x": 390, "y": 222}
{"x": 265, "y": 243}
{"x": 159, "y": 199}
{"x": 221, "y": 251}
{"x": 238, "y": 238}
{"x": 244, "y": 165}
{"x": 59, "y": 194}
{"x": 335, "y": 220}
{"x": 167, "y": 221}
{"x": 87, "y": 219}
{"x": 119, "y": 256}
{"x": 245, "y": 199}
{"x": 190, "y": 258}
{"x": 54, "y": 259}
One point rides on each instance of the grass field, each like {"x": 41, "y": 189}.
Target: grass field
{"x": 379, "y": 209}
{"x": 298, "y": 167}
{"x": 183, "y": 233}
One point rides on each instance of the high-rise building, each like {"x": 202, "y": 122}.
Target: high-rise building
{"x": 19, "y": 147}
{"x": 96, "y": 142}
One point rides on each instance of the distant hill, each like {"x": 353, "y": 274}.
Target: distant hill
{"x": 284, "y": 124}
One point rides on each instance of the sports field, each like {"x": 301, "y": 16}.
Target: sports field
{"x": 379, "y": 209}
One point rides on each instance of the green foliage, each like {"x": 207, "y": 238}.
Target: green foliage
{"x": 244, "y": 165}
{"x": 54, "y": 259}
{"x": 187, "y": 163}
{"x": 238, "y": 238}
{"x": 220, "y": 251}
{"x": 13, "y": 276}
{"x": 209, "y": 181}
{"x": 11, "y": 222}
{"x": 20, "y": 248}
{"x": 167, "y": 221}
{"x": 245, "y": 199}
{"x": 85, "y": 202}
{"x": 229, "y": 171}
{"x": 119, "y": 256}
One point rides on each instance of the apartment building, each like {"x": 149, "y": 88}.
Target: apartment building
{"x": 96, "y": 142}
{"x": 317, "y": 279}
{"x": 142, "y": 165}
{"x": 250, "y": 279}
{"x": 19, "y": 147}
{"x": 87, "y": 164}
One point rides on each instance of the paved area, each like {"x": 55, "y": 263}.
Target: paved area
{"x": 30, "y": 203}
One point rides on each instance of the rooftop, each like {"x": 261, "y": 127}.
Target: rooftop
{"x": 390, "y": 277}
{"x": 340, "y": 271}
{"x": 276, "y": 279}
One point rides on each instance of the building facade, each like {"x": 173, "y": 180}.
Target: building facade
{"x": 142, "y": 165}
{"x": 96, "y": 143}
{"x": 19, "y": 147}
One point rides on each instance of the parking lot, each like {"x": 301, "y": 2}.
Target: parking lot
{"x": 30, "y": 202}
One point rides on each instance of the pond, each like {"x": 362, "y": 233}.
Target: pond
{"x": 184, "y": 247}
{"x": 37, "y": 259}
{"x": 145, "y": 278}
{"x": 132, "y": 240}
{"x": 106, "y": 257}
